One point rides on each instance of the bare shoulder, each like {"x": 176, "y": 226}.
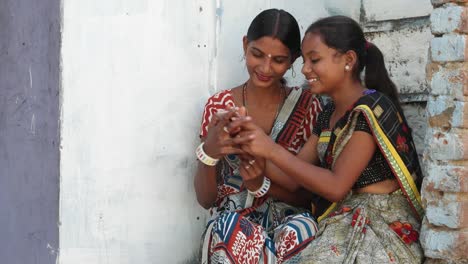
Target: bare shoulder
{"x": 236, "y": 93}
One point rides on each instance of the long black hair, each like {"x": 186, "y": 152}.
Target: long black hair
{"x": 344, "y": 34}
{"x": 278, "y": 24}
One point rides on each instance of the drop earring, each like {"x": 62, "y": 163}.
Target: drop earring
{"x": 293, "y": 73}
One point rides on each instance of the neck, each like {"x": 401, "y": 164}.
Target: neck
{"x": 263, "y": 95}
{"x": 346, "y": 95}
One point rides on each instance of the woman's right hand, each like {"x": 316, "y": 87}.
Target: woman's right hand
{"x": 251, "y": 138}
{"x": 218, "y": 141}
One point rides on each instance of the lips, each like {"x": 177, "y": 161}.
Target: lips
{"x": 263, "y": 78}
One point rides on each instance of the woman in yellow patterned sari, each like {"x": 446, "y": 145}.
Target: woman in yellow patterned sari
{"x": 361, "y": 156}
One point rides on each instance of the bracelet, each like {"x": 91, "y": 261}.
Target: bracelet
{"x": 203, "y": 157}
{"x": 263, "y": 189}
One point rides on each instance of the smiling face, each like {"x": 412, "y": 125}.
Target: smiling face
{"x": 324, "y": 67}
{"x": 267, "y": 60}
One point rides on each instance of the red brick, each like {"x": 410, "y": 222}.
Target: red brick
{"x": 464, "y": 213}
{"x": 464, "y": 21}
{"x": 446, "y": 144}
{"x": 443, "y": 243}
{"x": 449, "y": 79}
{"x": 446, "y": 177}
{"x": 462, "y": 245}
{"x": 448, "y": 19}
{"x": 464, "y": 78}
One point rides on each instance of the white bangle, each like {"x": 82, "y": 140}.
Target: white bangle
{"x": 263, "y": 189}
{"x": 203, "y": 157}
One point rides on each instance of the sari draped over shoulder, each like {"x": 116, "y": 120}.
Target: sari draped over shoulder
{"x": 264, "y": 230}
{"x": 365, "y": 227}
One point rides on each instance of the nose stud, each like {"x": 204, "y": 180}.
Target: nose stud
{"x": 269, "y": 55}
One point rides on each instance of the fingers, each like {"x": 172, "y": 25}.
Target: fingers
{"x": 247, "y": 172}
{"x": 232, "y": 132}
{"x": 251, "y": 173}
{"x": 250, "y": 163}
{"x": 253, "y": 169}
{"x": 245, "y": 138}
{"x": 243, "y": 124}
{"x": 213, "y": 122}
{"x": 239, "y": 122}
{"x": 244, "y": 173}
{"x": 226, "y": 115}
{"x": 242, "y": 111}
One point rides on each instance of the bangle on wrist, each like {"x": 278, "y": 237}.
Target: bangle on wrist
{"x": 203, "y": 157}
{"x": 263, "y": 189}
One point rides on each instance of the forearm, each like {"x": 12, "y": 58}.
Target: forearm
{"x": 299, "y": 198}
{"x": 205, "y": 185}
{"x": 315, "y": 179}
{"x": 279, "y": 177}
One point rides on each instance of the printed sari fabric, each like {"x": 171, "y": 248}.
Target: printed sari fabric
{"x": 268, "y": 230}
{"x": 372, "y": 228}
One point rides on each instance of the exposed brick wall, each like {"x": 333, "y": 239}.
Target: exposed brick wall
{"x": 401, "y": 29}
{"x": 444, "y": 234}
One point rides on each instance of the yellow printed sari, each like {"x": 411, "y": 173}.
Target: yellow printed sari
{"x": 372, "y": 228}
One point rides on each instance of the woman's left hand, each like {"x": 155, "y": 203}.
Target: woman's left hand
{"x": 252, "y": 171}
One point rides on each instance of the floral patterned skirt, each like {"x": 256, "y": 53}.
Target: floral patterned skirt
{"x": 367, "y": 228}
{"x": 232, "y": 238}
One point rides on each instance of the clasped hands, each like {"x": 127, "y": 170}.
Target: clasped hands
{"x": 233, "y": 132}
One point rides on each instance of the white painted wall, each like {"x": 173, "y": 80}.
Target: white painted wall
{"x": 381, "y": 10}
{"x": 136, "y": 74}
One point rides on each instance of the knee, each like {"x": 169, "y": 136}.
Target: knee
{"x": 301, "y": 228}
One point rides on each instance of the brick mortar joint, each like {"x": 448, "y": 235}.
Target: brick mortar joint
{"x": 435, "y": 97}
{"x": 453, "y": 33}
{"x": 460, "y": 163}
{"x": 453, "y": 3}
{"x": 451, "y": 196}
{"x": 450, "y": 64}
{"x": 433, "y": 67}
{"x": 443, "y": 163}
{"x": 450, "y": 4}
{"x": 444, "y": 228}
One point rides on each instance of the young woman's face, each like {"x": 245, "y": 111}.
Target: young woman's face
{"x": 267, "y": 60}
{"x": 324, "y": 67}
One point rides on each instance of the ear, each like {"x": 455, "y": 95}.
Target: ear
{"x": 245, "y": 43}
{"x": 351, "y": 58}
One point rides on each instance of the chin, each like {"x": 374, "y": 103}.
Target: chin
{"x": 315, "y": 89}
{"x": 260, "y": 83}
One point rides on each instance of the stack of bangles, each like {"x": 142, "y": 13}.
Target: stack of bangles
{"x": 209, "y": 161}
